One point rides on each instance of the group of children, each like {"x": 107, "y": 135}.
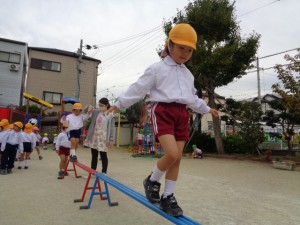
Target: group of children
{"x": 17, "y": 144}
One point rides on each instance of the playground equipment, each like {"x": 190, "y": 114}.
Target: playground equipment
{"x": 145, "y": 143}
{"x": 183, "y": 220}
{"x": 96, "y": 190}
{"x": 86, "y": 187}
{"x": 35, "y": 120}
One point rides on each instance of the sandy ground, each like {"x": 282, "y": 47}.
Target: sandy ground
{"x": 210, "y": 191}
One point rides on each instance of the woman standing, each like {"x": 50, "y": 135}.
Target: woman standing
{"x": 100, "y": 135}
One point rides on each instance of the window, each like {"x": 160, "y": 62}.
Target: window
{"x": 52, "y": 97}
{"x": 45, "y": 65}
{"x": 10, "y": 57}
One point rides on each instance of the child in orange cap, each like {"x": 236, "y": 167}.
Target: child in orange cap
{"x": 29, "y": 142}
{"x": 63, "y": 146}
{"x": 45, "y": 141}
{"x": 38, "y": 138}
{"x": 12, "y": 142}
{"x": 172, "y": 92}
{"x": 4, "y": 126}
{"x": 75, "y": 121}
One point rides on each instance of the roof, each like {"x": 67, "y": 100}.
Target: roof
{"x": 13, "y": 41}
{"x": 62, "y": 52}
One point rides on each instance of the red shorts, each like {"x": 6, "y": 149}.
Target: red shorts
{"x": 170, "y": 118}
{"x": 63, "y": 151}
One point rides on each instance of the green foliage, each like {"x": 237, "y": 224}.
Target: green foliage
{"x": 250, "y": 129}
{"x": 133, "y": 113}
{"x": 203, "y": 141}
{"x": 286, "y": 109}
{"x": 33, "y": 109}
{"x": 234, "y": 144}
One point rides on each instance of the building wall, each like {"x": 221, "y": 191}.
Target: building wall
{"x": 65, "y": 81}
{"x": 12, "y": 82}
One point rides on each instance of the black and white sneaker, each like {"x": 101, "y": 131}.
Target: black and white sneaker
{"x": 152, "y": 190}
{"x": 3, "y": 172}
{"x": 170, "y": 206}
{"x": 9, "y": 171}
{"x": 73, "y": 158}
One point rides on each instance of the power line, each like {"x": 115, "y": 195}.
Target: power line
{"x": 251, "y": 11}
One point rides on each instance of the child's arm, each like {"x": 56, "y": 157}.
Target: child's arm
{"x": 21, "y": 140}
{"x": 33, "y": 141}
{"x": 137, "y": 90}
{"x": 5, "y": 138}
{"x": 58, "y": 142}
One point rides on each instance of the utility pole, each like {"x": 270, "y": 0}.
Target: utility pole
{"x": 79, "y": 62}
{"x": 258, "y": 81}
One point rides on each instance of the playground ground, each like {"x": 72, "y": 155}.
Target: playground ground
{"x": 212, "y": 191}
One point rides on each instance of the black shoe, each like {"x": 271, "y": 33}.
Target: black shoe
{"x": 73, "y": 158}
{"x": 19, "y": 167}
{"x": 170, "y": 206}
{"x": 40, "y": 157}
{"x": 152, "y": 190}
{"x": 3, "y": 172}
{"x": 25, "y": 167}
{"x": 9, "y": 171}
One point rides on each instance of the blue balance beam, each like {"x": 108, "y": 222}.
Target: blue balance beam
{"x": 138, "y": 197}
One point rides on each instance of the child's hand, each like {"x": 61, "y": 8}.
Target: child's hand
{"x": 113, "y": 109}
{"x": 90, "y": 109}
{"x": 214, "y": 113}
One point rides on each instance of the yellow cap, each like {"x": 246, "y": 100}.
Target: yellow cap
{"x": 4, "y": 123}
{"x": 77, "y": 106}
{"x": 28, "y": 128}
{"x": 45, "y": 134}
{"x": 65, "y": 125}
{"x": 183, "y": 34}
{"x": 19, "y": 124}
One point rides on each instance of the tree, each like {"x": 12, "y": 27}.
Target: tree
{"x": 231, "y": 109}
{"x": 222, "y": 54}
{"x": 286, "y": 109}
{"x": 250, "y": 129}
{"x": 133, "y": 114}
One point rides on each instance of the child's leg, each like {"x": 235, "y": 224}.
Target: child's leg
{"x": 27, "y": 154}
{"x": 38, "y": 152}
{"x": 94, "y": 161}
{"x": 74, "y": 144}
{"x": 104, "y": 161}
{"x": 20, "y": 160}
{"x": 63, "y": 162}
{"x": 171, "y": 154}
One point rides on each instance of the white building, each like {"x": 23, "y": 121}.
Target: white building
{"x": 13, "y": 71}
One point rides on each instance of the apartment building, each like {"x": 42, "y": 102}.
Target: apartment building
{"x": 52, "y": 74}
{"x": 13, "y": 71}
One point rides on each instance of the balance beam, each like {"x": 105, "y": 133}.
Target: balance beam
{"x": 182, "y": 220}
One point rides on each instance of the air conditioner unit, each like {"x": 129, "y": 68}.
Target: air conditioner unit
{"x": 14, "y": 67}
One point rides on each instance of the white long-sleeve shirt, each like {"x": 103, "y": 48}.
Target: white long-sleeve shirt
{"x": 2, "y": 135}
{"x": 168, "y": 82}
{"x": 62, "y": 140}
{"x": 75, "y": 122}
{"x": 14, "y": 138}
{"x": 29, "y": 138}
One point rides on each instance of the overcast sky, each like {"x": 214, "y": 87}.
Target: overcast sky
{"x": 128, "y": 32}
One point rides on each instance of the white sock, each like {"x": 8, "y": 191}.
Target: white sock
{"x": 26, "y": 162}
{"x": 169, "y": 187}
{"x": 156, "y": 174}
{"x": 72, "y": 152}
{"x": 19, "y": 163}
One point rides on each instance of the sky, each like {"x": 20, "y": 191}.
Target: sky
{"x": 127, "y": 34}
